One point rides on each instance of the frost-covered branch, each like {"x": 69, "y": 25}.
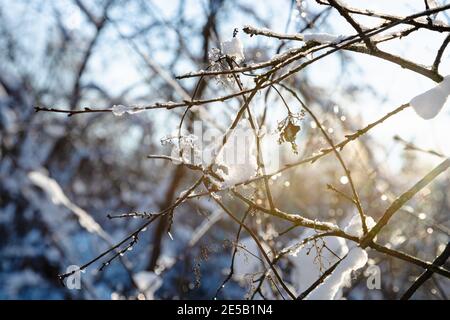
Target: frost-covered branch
{"x": 277, "y": 91}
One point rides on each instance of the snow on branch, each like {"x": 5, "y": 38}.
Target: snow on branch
{"x": 326, "y": 254}
{"x": 428, "y": 104}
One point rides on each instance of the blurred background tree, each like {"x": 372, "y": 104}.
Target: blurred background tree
{"x": 97, "y": 54}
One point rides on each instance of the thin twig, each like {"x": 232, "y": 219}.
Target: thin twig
{"x": 400, "y": 201}
{"x": 440, "y": 260}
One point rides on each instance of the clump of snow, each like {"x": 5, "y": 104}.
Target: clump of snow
{"x": 354, "y": 227}
{"x": 330, "y": 288}
{"x": 313, "y": 259}
{"x": 323, "y": 38}
{"x": 120, "y": 110}
{"x": 233, "y": 48}
{"x": 148, "y": 283}
{"x": 428, "y": 104}
{"x": 213, "y": 56}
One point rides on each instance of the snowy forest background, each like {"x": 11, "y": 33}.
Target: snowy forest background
{"x": 73, "y": 187}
